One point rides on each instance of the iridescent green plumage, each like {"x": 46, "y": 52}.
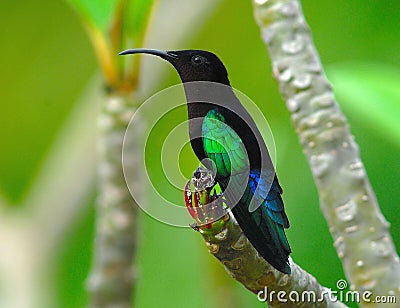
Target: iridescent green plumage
{"x": 222, "y": 145}
{"x": 261, "y": 203}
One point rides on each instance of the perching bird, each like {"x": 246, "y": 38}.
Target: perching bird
{"x": 223, "y": 131}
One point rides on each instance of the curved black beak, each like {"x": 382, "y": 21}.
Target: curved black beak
{"x": 166, "y": 55}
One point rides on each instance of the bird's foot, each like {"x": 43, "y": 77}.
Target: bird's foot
{"x": 204, "y": 204}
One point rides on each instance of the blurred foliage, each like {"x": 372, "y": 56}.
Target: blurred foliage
{"x": 47, "y": 61}
{"x": 370, "y": 92}
{"x": 100, "y": 13}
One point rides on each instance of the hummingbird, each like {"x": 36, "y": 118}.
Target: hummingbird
{"x": 225, "y": 138}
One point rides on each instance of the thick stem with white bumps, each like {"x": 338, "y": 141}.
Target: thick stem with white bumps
{"x": 347, "y": 200}
{"x": 112, "y": 277}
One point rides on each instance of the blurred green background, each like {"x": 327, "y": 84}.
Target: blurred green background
{"x": 47, "y": 63}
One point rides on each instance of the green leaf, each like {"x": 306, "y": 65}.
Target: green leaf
{"x": 369, "y": 92}
{"x": 136, "y": 18}
{"x": 99, "y": 12}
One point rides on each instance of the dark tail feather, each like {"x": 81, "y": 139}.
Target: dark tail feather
{"x": 267, "y": 236}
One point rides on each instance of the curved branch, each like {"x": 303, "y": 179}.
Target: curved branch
{"x": 360, "y": 231}
{"x": 227, "y": 242}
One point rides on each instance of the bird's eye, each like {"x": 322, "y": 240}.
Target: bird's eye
{"x": 197, "y": 60}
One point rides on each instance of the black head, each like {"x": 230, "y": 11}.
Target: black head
{"x": 192, "y": 65}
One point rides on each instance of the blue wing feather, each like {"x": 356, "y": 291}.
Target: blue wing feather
{"x": 271, "y": 197}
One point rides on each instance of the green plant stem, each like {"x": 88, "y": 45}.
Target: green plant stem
{"x": 360, "y": 231}
{"x": 112, "y": 277}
